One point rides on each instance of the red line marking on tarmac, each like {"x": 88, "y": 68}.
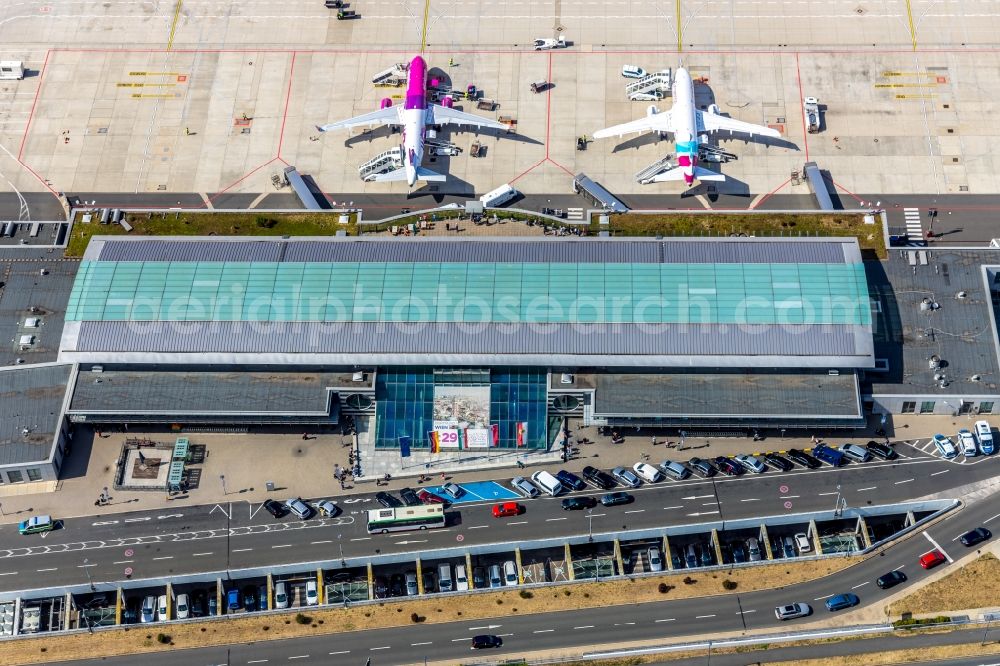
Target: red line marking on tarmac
{"x": 802, "y": 108}
{"x": 288, "y": 97}
{"x": 529, "y": 169}
{"x": 31, "y": 115}
{"x": 768, "y": 196}
{"x": 840, "y": 187}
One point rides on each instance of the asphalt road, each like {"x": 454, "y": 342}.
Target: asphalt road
{"x": 579, "y": 628}
{"x": 238, "y": 535}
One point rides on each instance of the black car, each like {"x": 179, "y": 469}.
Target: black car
{"x": 199, "y": 602}
{"x": 598, "y": 479}
{"x": 880, "y": 450}
{"x": 777, "y": 462}
{"x": 702, "y": 466}
{"x": 570, "y": 480}
{"x": 381, "y": 587}
{"x": 972, "y": 537}
{"x": 397, "y": 585}
{"x": 614, "y": 499}
{"x": 802, "y": 458}
{"x": 250, "y": 598}
{"x": 739, "y": 555}
{"x": 727, "y": 466}
{"x": 276, "y": 509}
{"x": 574, "y": 503}
{"x": 387, "y": 500}
{"x": 486, "y": 641}
{"x": 410, "y": 497}
{"x": 891, "y": 579}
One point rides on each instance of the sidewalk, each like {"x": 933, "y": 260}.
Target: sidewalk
{"x": 304, "y": 467}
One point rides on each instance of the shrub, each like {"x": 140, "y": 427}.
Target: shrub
{"x": 416, "y": 618}
{"x": 265, "y": 222}
{"x": 567, "y": 592}
{"x": 689, "y": 581}
{"x": 300, "y": 618}
{"x": 162, "y": 638}
{"x": 526, "y": 594}
{"x": 664, "y": 588}
{"x": 729, "y": 584}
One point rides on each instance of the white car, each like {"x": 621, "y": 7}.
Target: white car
{"x": 967, "y": 443}
{"x": 655, "y": 561}
{"x": 985, "y": 437}
{"x": 802, "y": 542}
{"x": 312, "y": 596}
{"x": 510, "y": 572}
{"x": 945, "y": 446}
{"x": 633, "y": 72}
{"x": 299, "y": 508}
{"x": 524, "y": 487}
{"x": 751, "y": 464}
{"x": 183, "y": 607}
{"x": 161, "y": 609}
{"x": 461, "y": 579}
{"x": 280, "y": 595}
{"x": 626, "y": 477}
{"x": 648, "y": 473}
{"x": 453, "y": 489}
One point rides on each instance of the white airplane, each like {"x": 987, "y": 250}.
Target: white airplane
{"x": 686, "y": 123}
{"x": 414, "y": 116}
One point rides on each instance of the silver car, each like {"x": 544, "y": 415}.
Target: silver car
{"x": 751, "y": 464}
{"x": 792, "y": 611}
{"x": 626, "y": 477}
{"x": 299, "y": 508}
{"x": 524, "y": 487}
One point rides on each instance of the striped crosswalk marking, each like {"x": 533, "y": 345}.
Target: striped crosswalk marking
{"x": 912, "y": 218}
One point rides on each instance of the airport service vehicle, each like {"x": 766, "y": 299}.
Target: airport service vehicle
{"x": 967, "y": 443}
{"x": 498, "y": 197}
{"x": 387, "y": 500}
{"x": 633, "y": 72}
{"x": 276, "y": 509}
{"x": 855, "y": 452}
{"x": 973, "y": 537}
{"x": 945, "y": 446}
{"x": 36, "y": 524}
{"x": 409, "y": 497}
{"x": 626, "y": 477}
{"x": 183, "y": 607}
{"x": 414, "y": 116}
{"x": 327, "y": 509}
{"x": 484, "y": 641}
{"x": 598, "y": 479}
{"x": 686, "y": 122}
{"x": 427, "y": 497}
{"x": 841, "y": 601}
{"x": 703, "y": 467}
{"x": 751, "y": 464}
{"x": 524, "y": 487}
{"x": 647, "y": 472}
{"x": 931, "y": 559}
{"x": 778, "y": 462}
{"x": 453, "y": 490}
{"x": 891, "y": 579}
{"x": 880, "y": 450}
{"x": 507, "y": 509}
{"x": 811, "y": 107}
{"x": 570, "y": 480}
{"x": 802, "y": 542}
{"x": 299, "y": 508}
{"x": 985, "y": 437}
{"x": 654, "y": 559}
{"x": 792, "y": 611}
{"x": 382, "y": 521}
{"x": 802, "y": 458}
{"x": 614, "y": 499}
{"x": 577, "y": 503}
{"x": 545, "y": 43}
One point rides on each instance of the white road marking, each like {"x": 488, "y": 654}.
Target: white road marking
{"x": 667, "y": 508}
{"x": 84, "y": 566}
{"x": 240, "y": 550}
{"x": 362, "y": 539}
{"x": 200, "y": 554}
{"x": 669, "y": 619}
{"x": 860, "y": 585}
{"x": 745, "y": 612}
{"x": 257, "y": 661}
{"x": 861, "y": 490}
{"x": 543, "y": 631}
{"x": 697, "y": 497}
{"x": 552, "y": 520}
{"x": 9, "y": 573}
{"x": 702, "y": 617}
{"x": 300, "y": 656}
{"x": 40, "y": 570}
{"x": 124, "y": 562}
{"x": 991, "y": 518}
{"x": 822, "y": 494}
{"x": 165, "y": 557}
{"x": 940, "y": 549}
{"x": 316, "y": 543}
{"x": 598, "y": 515}
{"x": 624, "y": 624}
{"x": 459, "y": 640}
{"x": 384, "y": 647}
{"x": 341, "y": 652}
{"x": 283, "y": 545}
{"x": 589, "y": 626}
{"x": 708, "y": 503}
{"x": 481, "y": 527}
{"x": 518, "y": 522}
{"x": 941, "y": 472}
{"x": 416, "y": 644}
{"x": 750, "y": 499}
{"x": 789, "y": 496}
{"x": 902, "y": 482}
{"x": 899, "y": 567}
{"x": 636, "y": 511}
{"x": 822, "y": 598}
{"x": 137, "y": 520}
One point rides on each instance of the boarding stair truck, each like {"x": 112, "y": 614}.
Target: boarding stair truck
{"x": 811, "y": 108}
{"x": 498, "y": 197}
{"x": 390, "y": 160}
{"x": 545, "y": 43}
{"x": 645, "y": 177}
{"x": 393, "y": 77}
{"x": 441, "y": 148}
{"x": 650, "y": 88}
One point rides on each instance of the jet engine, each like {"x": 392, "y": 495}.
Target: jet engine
{"x": 447, "y": 101}
{"x": 385, "y": 103}
{"x": 713, "y": 109}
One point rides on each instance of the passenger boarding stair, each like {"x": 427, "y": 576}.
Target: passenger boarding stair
{"x": 393, "y": 77}
{"x": 645, "y": 177}
{"x": 388, "y": 161}
{"x": 651, "y": 87}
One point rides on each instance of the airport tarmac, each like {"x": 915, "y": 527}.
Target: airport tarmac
{"x": 185, "y": 105}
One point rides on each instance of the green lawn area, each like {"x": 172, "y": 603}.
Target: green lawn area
{"x": 753, "y": 224}
{"x": 181, "y": 223}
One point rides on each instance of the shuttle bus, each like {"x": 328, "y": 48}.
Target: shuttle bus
{"x": 382, "y": 521}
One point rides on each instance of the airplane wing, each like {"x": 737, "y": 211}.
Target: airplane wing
{"x": 442, "y": 115}
{"x": 387, "y": 116}
{"x": 659, "y": 122}
{"x": 710, "y": 122}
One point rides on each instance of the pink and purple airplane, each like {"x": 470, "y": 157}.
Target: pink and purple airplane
{"x": 414, "y": 117}
{"x": 686, "y": 122}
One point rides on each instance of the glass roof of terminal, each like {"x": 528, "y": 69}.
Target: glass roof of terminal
{"x": 471, "y": 292}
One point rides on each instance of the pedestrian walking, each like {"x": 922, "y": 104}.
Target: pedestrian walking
{"x": 305, "y": 435}
{"x": 654, "y": 440}
{"x": 451, "y": 62}
{"x": 187, "y": 131}
{"x": 443, "y": 477}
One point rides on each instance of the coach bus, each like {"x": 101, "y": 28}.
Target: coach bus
{"x": 381, "y": 521}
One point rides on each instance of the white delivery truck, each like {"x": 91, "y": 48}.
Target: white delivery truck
{"x": 11, "y": 70}
{"x": 498, "y": 197}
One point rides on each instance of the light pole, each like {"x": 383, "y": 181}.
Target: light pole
{"x": 86, "y": 570}
{"x": 836, "y": 507}
{"x": 590, "y": 525}
{"x": 343, "y": 562}
{"x": 222, "y": 477}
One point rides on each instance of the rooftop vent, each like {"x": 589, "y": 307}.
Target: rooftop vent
{"x": 975, "y": 378}
{"x": 358, "y": 376}
{"x": 961, "y": 294}
{"x": 566, "y": 378}
{"x": 934, "y": 362}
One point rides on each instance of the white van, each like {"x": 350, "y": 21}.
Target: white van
{"x": 445, "y": 582}
{"x": 461, "y": 580}
{"x": 633, "y": 72}
{"x": 985, "y": 437}
{"x": 498, "y": 197}
{"x": 161, "y": 609}
{"x": 547, "y": 482}
{"x": 510, "y": 572}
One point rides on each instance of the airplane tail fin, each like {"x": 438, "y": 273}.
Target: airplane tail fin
{"x": 391, "y": 176}
{"x": 400, "y": 174}
{"x": 707, "y": 174}
{"x": 677, "y": 173}
{"x": 430, "y": 176}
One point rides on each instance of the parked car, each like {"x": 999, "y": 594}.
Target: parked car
{"x": 387, "y": 500}
{"x": 727, "y": 466}
{"x": 524, "y": 487}
{"x": 674, "y": 470}
{"x": 302, "y": 510}
{"x": 703, "y": 467}
{"x": 842, "y": 601}
{"x": 397, "y": 585}
{"x": 430, "y": 583}
{"x": 213, "y": 606}
{"x": 507, "y": 509}
{"x": 647, "y": 472}
{"x": 654, "y": 559}
{"x": 787, "y": 546}
{"x": 880, "y": 450}
{"x": 570, "y": 480}
{"x": 626, "y": 477}
{"x": 855, "y": 452}
{"x": 891, "y": 579}
{"x": 312, "y": 593}
{"x": 945, "y": 446}
{"x": 792, "y": 611}
{"x": 275, "y": 508}
{"x": 510, "y": 572}
{"x": 828, "y": 454}
{"x": 753, "y": 550}
{"x": 614, "y": 499}
{"x": 985, "y": 437}
{"x": 978, "y": 535}
{"x": 802, "y": 543}
{"x": 484, "y": 641}
{"x": 233, "y": 602}
{"x": 183, "y": 607}
{"x": 479, "y": 578}
{"x": 328, "y": 509}
{"x": 263, "y": 602}
{"x": 598, "y": 479}
{"x": 778, "y": 462}
{"x": 380, "y": 588}
{"x": 690, "y": 556}
{"x": 281, "y": 592}
{"x": 931, "y": 559}
{"x": 36, "y": 524}
{"x": 161, "y": 609}
{"x": 967, "y": 443}
{"x": 707, "y": 555}
{"x": 576, "y": 503}
{"x": 250, "y": 598}
{"x": 739, "y": 555}
{"x": 411, "y": 583}
{"x": 453, "y": 490}
{"x": 427, "y": 497}
{"x": 751, "y": 463}
{"x": 496, "y": 578}
{"x": 461, "y": 578}
{"x": 147, "y": 611}
{"x": 409, "y": 497}
{"x": 198, "y": 599}
{"x": 802, "y": 458}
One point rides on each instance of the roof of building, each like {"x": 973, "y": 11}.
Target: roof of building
{"x": 936, "y": 303}
{"x": 25, "y": 293}
{"x": 728, "y": 395}
{"x": 31, "y": 399}
{"x": 725, "y": 301}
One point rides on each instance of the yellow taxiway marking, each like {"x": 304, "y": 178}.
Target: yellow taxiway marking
{"x": 173, "y": 24}
{"x": 140, "y": 95}
{"x": 677, "y": 19}
{"x": 423, "y": 28}
{"x": 930, "y": 74}
{"x": 913, "y": 30}
{"x": 929, "y": 96}
{"x": 905, "y": 85}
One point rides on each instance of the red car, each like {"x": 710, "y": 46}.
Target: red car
{"x": 427, "y": 497}
{"x": 507, "y": 509}
{"x": 932, "y": 559}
